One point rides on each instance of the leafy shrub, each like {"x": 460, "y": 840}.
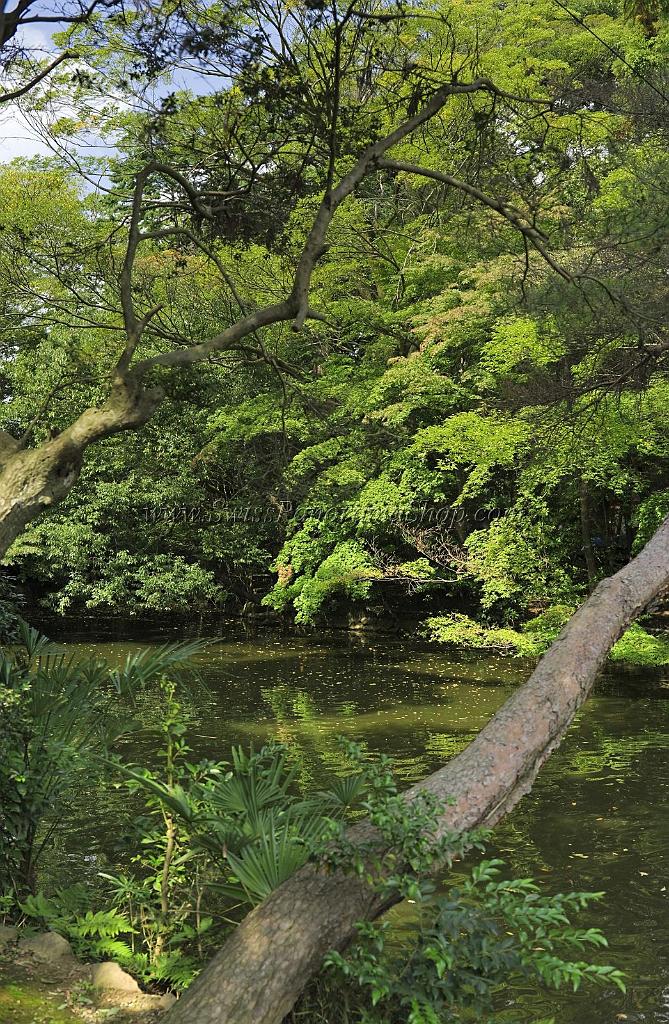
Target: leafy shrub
{"x": 479, "y": 935}
{"x": 459, "y": 630}
{"x": 93, "y": 935}
{"x": 56, "y": 712}
{"x": 216, "y": 837}
{"x": 347, "y": 571}
{"x": 639, "y": 647}
{"x": 636, "y": 646}
{"x": 549, "y": 622}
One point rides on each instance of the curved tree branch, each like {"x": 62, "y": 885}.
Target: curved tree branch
{"x": 296, "y": 305}
{"x": 535, "y": 237}
{"x": 32, "y": 479}
{"x": 16, "y": 94}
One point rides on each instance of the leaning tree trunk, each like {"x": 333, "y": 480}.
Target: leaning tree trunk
{"x": 35, "y": 478}
{"x": 263, "y": 967}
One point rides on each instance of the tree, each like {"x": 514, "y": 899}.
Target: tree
{"x": 262, "y": 968}
{"x": 23, "y": 69}
{"x": 321, "y": 74}
{"x": 536, "y": 375}
{"x": 353, "y": 98}
{"x": 32, "y": 479}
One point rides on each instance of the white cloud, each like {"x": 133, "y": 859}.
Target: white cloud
{"x": 17, "y": 136}
{"x": 37, "y": 37}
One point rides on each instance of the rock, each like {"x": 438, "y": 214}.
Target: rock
{"x": 110, "y": 976}
{"x": 166, "y": 1001}
{"x": 7, "y": 935}
{"x": 50, "y": 947}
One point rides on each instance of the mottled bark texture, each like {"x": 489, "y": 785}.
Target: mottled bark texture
{"x": 261, "y": 970}
{"x": 32, "y": 479}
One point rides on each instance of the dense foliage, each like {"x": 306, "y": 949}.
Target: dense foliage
{"x": 56, "y": 717}
{"x": 462, "y": 424}
{"x": 479, "y": 936}
{"x": 332, "y": 311}
{"x": 213, "y": 839}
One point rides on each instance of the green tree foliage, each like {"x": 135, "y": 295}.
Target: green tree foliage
{"x": 461, "y": 423}
{"x": 536, "y": 635}
{"x": 483, "y": 934}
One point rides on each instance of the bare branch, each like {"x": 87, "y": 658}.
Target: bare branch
{"x": 182, "y": 180}
{"x": 222, "y": 342}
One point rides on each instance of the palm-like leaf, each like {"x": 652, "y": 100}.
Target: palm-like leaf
{"x": 173, "y": 797}
{"x": 34, "y": 643}
{"x": 277, "y": 854}
{"x": 150, "y": 664}
{"x": 345, "y": 792}
{"x": 257, "y": 781}
{"x": 250, "y": 820}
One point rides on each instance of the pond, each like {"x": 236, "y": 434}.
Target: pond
{"x": 597, "y": 819}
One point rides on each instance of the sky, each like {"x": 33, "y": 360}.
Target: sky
{"x": 17, "y": 138}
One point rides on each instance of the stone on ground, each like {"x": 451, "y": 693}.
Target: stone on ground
{"x": 110, "y": 976}
{"x": 7, "y": 935}
{"x": 49, "y": 947}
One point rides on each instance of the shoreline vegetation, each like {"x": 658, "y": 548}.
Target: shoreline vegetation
{"x": 637, "y": 646}
{"x": 334, "y": 315}
{"x": 212, "y": 837}
{"x": 641, "y": 645}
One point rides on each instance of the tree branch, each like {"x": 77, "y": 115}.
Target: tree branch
{"x": 296, "y": 305}
{"x": 314, "y": 246}
{"x": 133, "y": 327}
{"x": 16, "y": 94}
{"x": 535, "y": 237}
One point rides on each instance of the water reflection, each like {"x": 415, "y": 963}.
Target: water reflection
{"x": 598, "y": 818}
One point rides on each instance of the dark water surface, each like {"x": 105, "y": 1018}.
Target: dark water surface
{"x": 597, "y": 819}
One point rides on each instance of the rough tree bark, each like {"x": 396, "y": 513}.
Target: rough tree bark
{"x": 263, "y": 967}
{"x": 34, "y": 478}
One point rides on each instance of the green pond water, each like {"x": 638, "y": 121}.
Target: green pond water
{"x": 597, "y": 819}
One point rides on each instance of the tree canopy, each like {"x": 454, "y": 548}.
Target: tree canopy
{"x": 444, "y": 381}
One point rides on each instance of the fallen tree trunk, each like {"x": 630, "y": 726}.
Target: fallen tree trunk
{"x": 263, "y": 967}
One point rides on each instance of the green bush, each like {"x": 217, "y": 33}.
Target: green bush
{"x": 57, "y": 713}
{"x": 478, "y": 936}
{"x": 458, "y": 630}
{"x": 216, "y": 838}
{"x": 636, "y": 646}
